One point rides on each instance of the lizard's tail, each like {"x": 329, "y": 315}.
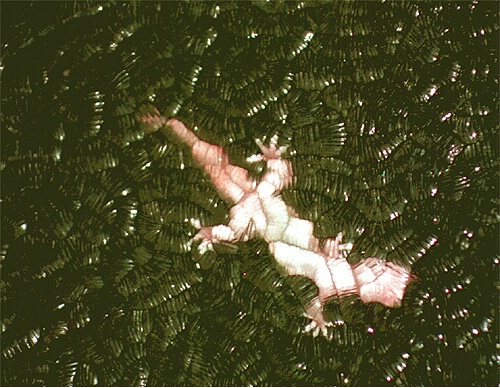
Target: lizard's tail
{"x": 182, "y": 132}
{"x": 151, "y": 120}
{"x": 204, "y": 153}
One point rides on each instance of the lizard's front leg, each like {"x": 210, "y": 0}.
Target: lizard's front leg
{"x": 246, "y": 218}
{"x": 279, "y": 171}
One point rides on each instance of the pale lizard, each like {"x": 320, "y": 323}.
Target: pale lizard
{"x": 260, "y": 211}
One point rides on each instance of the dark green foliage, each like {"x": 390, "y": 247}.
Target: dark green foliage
{"x": 390, "y": 111}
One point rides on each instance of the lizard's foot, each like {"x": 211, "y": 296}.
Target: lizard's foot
{"x": 316, "y": 328}
{"x": 318, "y": 324}
{"x": 205, "y": 236}
{"x": 208, "y": 235}
{"x": 333, "y": 248}
{"x": 279, "y": 171}
{"x": 270, "y": 152}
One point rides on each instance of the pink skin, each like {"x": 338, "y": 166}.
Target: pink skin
{"x": 259, "y": 211}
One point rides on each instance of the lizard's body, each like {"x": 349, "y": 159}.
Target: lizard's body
{"x": 259, "y": 211}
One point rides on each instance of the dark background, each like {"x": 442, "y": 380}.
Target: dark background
{"x": 390, "y": 112}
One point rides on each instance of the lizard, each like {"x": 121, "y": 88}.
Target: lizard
{"x": 259, "y": 211}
